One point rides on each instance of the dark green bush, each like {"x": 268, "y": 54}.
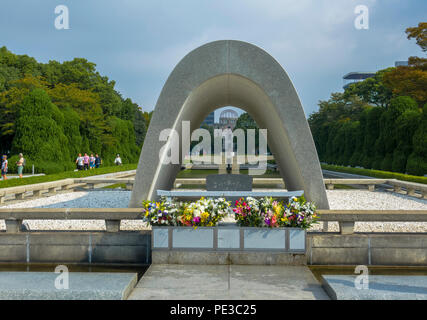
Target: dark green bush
{"x": 376, "y": 173}
{"x": 399, "y": 161}
{"x": 387, "y": 162}
{"x": 416, "y": 165}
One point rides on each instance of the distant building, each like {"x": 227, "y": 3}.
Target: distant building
{"x": 401, "y": 63}
{"x": 354, "y": 77}
{"x": 228, "y": 118}
{"x": 210, "y": 119}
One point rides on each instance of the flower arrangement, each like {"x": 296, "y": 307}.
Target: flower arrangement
{"x": 249, "y": 212}
{"x": 267, "y": 212}
{"x": 202, "y": 213}
{"x": 160, "y": 213}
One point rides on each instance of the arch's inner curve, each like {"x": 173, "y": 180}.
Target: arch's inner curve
{"x": 257, "y": 85}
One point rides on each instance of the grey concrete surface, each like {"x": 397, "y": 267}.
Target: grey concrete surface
{"x": 228, "y": 182}
{"x": 381, "y": 249}
{"x": 224, "y": 73}
{"x": 227, "y": 258}
{"x": 81, "y": 286}
{"x": 208, "y": 282}
{"x": 77, "y": 247}
{"x": 342, "y": 287}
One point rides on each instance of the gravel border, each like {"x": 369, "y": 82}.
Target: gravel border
{"x": 338, "y": 199}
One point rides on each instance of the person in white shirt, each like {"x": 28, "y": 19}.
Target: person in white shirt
{"x": 79, "y": 162}
{"x": 118, "y": 161}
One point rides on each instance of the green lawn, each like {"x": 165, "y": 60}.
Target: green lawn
{"x": 376, "y": 173}
{"x": 65, "y": 175}
{"x": 188, "y": 173}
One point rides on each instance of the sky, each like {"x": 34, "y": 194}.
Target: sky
{"x": 137, "y": 43}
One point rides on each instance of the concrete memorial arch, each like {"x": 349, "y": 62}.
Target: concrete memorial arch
{"x": 232, "y": 73}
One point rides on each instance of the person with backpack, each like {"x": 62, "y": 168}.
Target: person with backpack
{"x": 118, "y": 160}
{"x": 98, "y": 161}
{"x": 20, "y": 164}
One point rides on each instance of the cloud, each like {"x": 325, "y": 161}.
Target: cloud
{"x": 138, "y": 43}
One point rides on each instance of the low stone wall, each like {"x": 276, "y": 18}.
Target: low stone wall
{"x": 76, "y": 247}
{"x": 381, "y": 249}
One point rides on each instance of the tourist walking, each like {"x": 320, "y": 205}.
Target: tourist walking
{"x": 4, "y": 167}
{"x": 118, "y": 160}
{"x": 86, "y": 161}
{"x": 79, "y": 162}
{"x": 98, "y": 161}
{"x": 20, "y": 164}
{"x": 91, "y": 162}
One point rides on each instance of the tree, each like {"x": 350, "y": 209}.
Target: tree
{"x": 245, "y": 122}
{"x": 80, "y": 105}
{"x": 378, "y": 123}
{"x": 417, "y": 161}
{"x": 419, "y": 34}
{"x": 140, "y": 127}
{"x": 372, "y": 90}
{"x": 38, "y": 135}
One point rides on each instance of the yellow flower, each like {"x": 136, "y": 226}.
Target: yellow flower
{"x": 204, "y": 216}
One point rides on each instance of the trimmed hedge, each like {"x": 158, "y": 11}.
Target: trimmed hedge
{"x": 376, "y": 173}
{"x": 65, "y": 175}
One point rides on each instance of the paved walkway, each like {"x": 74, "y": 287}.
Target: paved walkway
{"x": 227, "y": 282}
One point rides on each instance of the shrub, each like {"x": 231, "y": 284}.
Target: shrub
{"x": 377, "y": 173}
{"x": 387, "y": 162}
{"x": 416, "y": 165}
{"x": 399, "y": 161}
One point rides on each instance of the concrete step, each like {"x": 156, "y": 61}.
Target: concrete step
{"x": 376, "y": 287}
{"x": 231, "y": 282}
{"x": 81, "y": 286}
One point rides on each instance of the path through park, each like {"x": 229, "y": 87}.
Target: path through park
{"x": 228, "y": 282}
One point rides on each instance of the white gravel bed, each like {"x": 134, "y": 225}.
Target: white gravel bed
{"x": 80, "y": 199}
{"x": 377, "y": 200}
{"x": 338, "y": 199}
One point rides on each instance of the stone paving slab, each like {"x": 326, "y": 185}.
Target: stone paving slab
{"x": 227, "y": 282}
{"x": 390, "y": 287}
{"x": 82, "y": 286}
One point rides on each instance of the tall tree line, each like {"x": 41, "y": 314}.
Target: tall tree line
{"x": 52, "y": 111}
{"x": 381, "y": 122}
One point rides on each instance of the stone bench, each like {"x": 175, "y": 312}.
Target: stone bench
{"x": 347, "y": 218}
{"x": 36, "y": 189}
{"x": 369, "y": 182}
{"x": 92, "y": 182}
{"x": 411, "y": 187}
{"x": 14, "y": 216}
